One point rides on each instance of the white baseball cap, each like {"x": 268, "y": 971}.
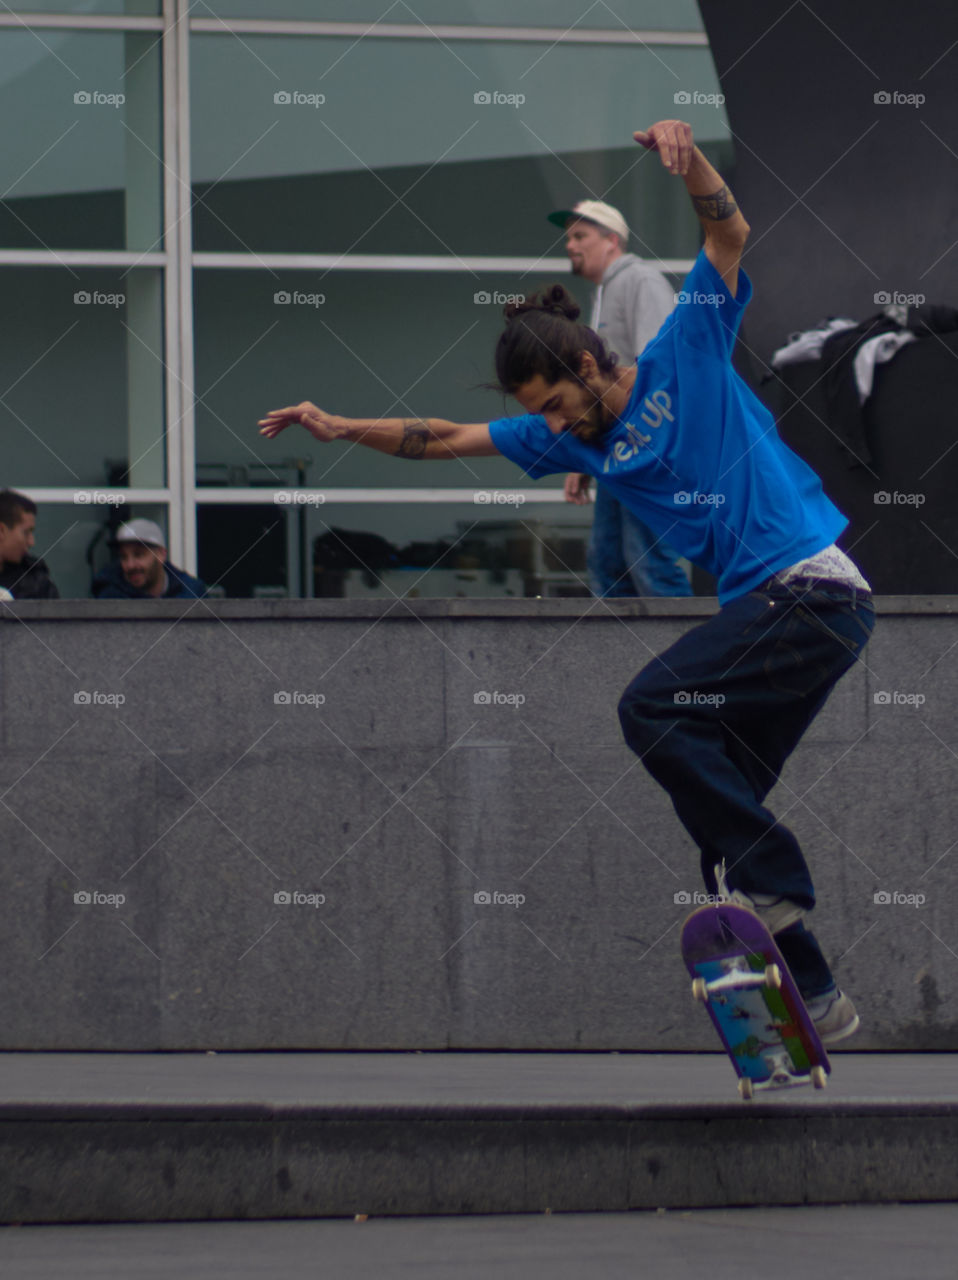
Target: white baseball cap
{"x": 594, "y": 211}
{"x": 141, "y": 531}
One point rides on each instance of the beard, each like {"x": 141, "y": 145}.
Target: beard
{"x": 593, "y": 424}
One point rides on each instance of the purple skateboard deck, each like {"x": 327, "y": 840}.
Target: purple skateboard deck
{"x": 758, "y": 1013}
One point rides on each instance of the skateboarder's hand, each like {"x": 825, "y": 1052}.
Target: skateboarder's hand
{"x": 577, "y": 489}
{"x": 321, "y": 426}
{"x": 672, "y": 139}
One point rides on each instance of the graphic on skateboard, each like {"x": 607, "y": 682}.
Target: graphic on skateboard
{"x": 738, "y": 973}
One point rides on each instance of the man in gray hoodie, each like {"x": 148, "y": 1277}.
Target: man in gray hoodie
{"x": 632, "y": 299}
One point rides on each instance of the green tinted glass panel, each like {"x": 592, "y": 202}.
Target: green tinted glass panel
{"x": 622, "y": 15}
{"x": 81, "y": 366}
{"x": 435, "y": 147}
{"x": 82, "y": 169}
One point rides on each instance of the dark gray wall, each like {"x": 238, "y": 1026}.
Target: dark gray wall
{"x": 398, "y": 799}
{"x": 846, "y": 196}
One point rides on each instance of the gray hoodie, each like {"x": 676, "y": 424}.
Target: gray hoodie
{"x": 630, "y": 305}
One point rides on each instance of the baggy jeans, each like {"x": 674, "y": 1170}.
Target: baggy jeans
{"x": 715, "y": 717}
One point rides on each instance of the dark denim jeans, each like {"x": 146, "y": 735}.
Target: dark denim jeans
{"x": 715, "y": 717}
{"x": 626, "y": 558}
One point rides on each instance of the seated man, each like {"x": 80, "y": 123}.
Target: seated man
{"x": 21, "y": 575}
{"x": 142, "y": 570}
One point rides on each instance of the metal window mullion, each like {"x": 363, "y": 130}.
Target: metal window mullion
{"x": 104, "y": 495}
{"x": 80, "y": 258}
{"x": 171, "y": 359}
{"x": 445, "y": 32}
{"x": 497, "y": 500}
{"x": 179, "y": 325}
{"x": 79, "y": 22}
{"x": 420, "y": 263}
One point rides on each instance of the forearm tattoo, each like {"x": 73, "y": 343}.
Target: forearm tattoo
{"x": 716, "y": 207}
{"x": 415, "y": 437}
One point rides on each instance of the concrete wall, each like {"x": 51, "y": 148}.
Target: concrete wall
{"x": 398, "y": 798}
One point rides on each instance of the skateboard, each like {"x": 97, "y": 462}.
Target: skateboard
{"x": 739, "y": 974}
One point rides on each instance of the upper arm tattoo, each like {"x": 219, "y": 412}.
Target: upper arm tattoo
{"x": 716, "y": 207}
{"x": 415, "y": 437}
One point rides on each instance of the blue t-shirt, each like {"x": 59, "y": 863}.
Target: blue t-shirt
{"x": 696, "y": 455}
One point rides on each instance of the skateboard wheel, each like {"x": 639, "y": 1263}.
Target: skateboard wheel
{"x": 773, "y": 976}
{"x": 819, "y": 1079}
{"x": 700, "y": 990}
{"x": 744, "y": 1088}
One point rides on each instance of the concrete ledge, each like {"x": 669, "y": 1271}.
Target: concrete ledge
{"x": 387, "y": 825}
{"x": 401, "y": 606}
{"x": 147, "y": 1160}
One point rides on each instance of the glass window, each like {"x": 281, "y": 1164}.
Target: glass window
{"x": 669, "y": 15}
{"x": 83, "y": 168}
{"x": 430, "y": 147}
{"x": 74, "y": 540}
{"x": 360, "y": 343}
{"x": 412, "y": 550}
{"x": 82, "y": 378}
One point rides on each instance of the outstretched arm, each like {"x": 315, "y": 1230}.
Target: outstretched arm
{"x": 725, "y": 229}
{"x": 402, "y": 437}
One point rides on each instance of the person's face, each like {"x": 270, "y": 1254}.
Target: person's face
{"x": 142, "y": 565}
{"x": 16, "y": 540}
{"x": 566, "y": 405}
{"x": 590, "y": 249}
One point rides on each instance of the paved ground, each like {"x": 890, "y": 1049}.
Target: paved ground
{"x": 454, "y": 1078}
{"x": 854, "y": 1243}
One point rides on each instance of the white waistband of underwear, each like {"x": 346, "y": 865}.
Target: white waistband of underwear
{"x": 831, "y": 564}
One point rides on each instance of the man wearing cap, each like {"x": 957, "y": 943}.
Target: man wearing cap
{"x": 632, "y": 299}
{"x": 142, "y": 571}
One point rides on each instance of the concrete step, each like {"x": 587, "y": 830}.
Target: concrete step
{"x": 159, "y": 1137}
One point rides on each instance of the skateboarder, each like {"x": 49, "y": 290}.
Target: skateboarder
{"x": 680, "y": 439}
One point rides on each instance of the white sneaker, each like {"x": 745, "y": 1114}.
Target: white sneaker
{"x": 775, "y": 913}
{"x": 834, "y": 1016}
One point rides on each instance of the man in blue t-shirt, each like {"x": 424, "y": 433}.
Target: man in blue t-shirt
{"x": 680, "y": 439}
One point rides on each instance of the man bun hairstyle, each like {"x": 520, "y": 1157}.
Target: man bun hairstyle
{"x": 543, "y": 335}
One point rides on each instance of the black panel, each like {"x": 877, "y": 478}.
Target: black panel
{"x": 848, "y": 198}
